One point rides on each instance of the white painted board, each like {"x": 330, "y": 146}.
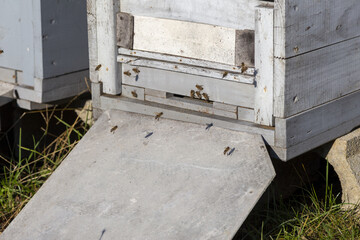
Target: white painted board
{"x": 175, "y": 184}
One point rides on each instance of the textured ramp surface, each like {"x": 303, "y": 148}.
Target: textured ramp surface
{"x": 176, "y": 184}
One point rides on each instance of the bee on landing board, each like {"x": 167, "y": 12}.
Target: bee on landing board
{"x": 192, "y": 94}
{"x": 226, "y": 150}
{"x": 206, "y": 97}
{"x": 136, "y": 70}
{"x": 198, "y": 94}
{"x": 127, "y": 73}
{"x": 243, "y": 68}
{"x": 113, "y": 129}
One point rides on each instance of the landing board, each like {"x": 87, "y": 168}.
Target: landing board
{"x": 175, "y": 184}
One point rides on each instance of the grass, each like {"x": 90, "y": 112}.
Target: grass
{"x": 308, "y": 215}
{"x": 24, "y": 172}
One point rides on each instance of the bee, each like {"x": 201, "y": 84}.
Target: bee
{"x": 127, "y": 73}
{"x": 200, "y": 87}
{"x": 198, "y": 94}
{"x": 243, "y": 68}
{"x": 192, "y": 94}
{"x": 226, "y": 150}
{"x": 136, "y": 70}
{"x": 206, "y": 97}
{"x": 134, "y": 94}
{"x": 158, "y": 115}
{"x": 225, "y": 74}
{"x": 231, "y": 151}
{"x": 98, "y": 67}
{"x": 113, "y": 129}
{"x": 1, "y": 51}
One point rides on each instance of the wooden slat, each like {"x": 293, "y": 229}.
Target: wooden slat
{"x": 234, "y": 93}
{"x": 191, "y": 104}
{"x": 108, "y": 73}
{"x": 125, "y": 30}
{"x": 148, "y": 108}
{"x": 303, "y": 26}
{"x": 7, "y": 75}
{"x": 227, "y": 13}
{"x": 183, "y": 68}
{"x": 264, "y": 62}
{"x": 246, "y": 114}
{"x": 225, "y": 107}
{"x": 187, "y": 61}
{"x": 312, "y": 79}
{"x": 188, "y": 39}
{"x": 155, "y": 93}
{"x": 307, "y": 125}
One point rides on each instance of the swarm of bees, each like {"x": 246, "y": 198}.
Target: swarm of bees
{"x": 197, "y": 93}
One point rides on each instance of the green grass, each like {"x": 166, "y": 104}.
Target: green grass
{"x": 308, "y": 215}
{"x": 22, "y": 176}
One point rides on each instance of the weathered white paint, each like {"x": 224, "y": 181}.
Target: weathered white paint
{"x": 109, "y": 73}
{"x": 187, "y": 39}
{"x": 133, "y": 92}
{"x": 246, "y": 114}
{"x": 238, "y": 14}
{"x": 7, "y": 75}
{"x": 264, "y": 64}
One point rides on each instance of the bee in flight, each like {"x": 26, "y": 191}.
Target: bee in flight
{"x": 136, "y": 70}
{"x": 226, "y": 150}
{"x": 127, "y": 73}
{"x": 1, "y": 51}
{"x": 158, "y": 115}
{"x": 98, "y": 67}
{"x": 113, "y": 129}
{"x": 200, "y": 87}
{"x": 134, "y": 94}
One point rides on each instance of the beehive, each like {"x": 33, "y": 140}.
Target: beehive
{"x": 44, "y": 52}
{"x": 285, "y": 69}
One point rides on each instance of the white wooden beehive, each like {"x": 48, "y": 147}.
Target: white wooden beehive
{"x": 285, "y": 69}
{"x": 44, "y": 52}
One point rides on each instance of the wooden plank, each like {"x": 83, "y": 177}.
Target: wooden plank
{"x": 227, "y": 13}
{"x": 125, "y": 30}
{"x": 191, "y": 104}
{"x": 307, "y": 125}
{"x": 188, "y": 39}
{"x": 28, "y": 105}
{"x": 51, "y": 84}
{"x": 155, "y": 93}
{"x": 108, "y": 73}
{"x": 234, "y": 93}
{"x": 148, "y": 108}
{"x": 187, "y": 61}
{"x": 304, "y": 26}
{"x": 264, "y": 62}
{"x": 133, "y": 92}
{"x": 7, "y": 75}
{"x": 225, "y": 107}
{"x": 311, "y": 79}
{"x": 182, "y": 68}
{"x": 245, "y": 48}
{"x": 246, "y": 114}
{"x": 92, "y": 40}
{"x": 6, "y": 89}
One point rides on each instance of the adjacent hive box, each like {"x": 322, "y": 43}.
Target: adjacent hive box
{"x": 44, "y": 51}
{"x": 287, "y": 70}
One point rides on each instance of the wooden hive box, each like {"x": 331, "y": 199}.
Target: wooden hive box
{"x": 44, "y": 52}
{"x": 285, "y": 69}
